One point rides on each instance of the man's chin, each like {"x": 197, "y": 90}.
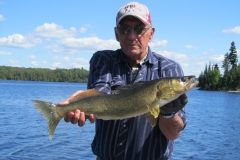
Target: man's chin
{"x": 133, "y": 51}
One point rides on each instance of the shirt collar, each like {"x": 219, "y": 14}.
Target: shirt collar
{"x": 149, "y": 58}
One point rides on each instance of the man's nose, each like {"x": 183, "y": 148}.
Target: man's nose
{"x": 132, "y": 35}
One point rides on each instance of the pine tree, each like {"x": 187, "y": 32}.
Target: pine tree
{"x": 216, "y": 77}
{"x": 226, "y": 63}
{"x": 233, "y": 55}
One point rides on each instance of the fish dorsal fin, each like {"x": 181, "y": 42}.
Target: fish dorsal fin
{"x": 127, "y": 87}
{"x": 151, "y": 119}
{"x": 83, "y": 94}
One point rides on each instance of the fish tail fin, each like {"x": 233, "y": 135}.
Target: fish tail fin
{"x": 49, "y": 112}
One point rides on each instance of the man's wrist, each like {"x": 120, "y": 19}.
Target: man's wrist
{"x": 168, "y": 115}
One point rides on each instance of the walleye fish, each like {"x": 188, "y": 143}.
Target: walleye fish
{"x": 127, "y": 101}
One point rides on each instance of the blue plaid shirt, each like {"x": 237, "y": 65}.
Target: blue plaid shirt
{"x": 132, "y": 138}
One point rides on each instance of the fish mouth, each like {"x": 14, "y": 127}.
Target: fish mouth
{"x": 183, "y": 84}
{"x": 191, "y": 82}
{"x": 194, "y": 83}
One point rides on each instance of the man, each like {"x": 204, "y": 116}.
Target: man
{"x": 132, "y": 138}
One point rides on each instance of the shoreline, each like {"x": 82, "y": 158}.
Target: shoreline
{"x": 230, "y": 91}
{"x": 233, "y": 91}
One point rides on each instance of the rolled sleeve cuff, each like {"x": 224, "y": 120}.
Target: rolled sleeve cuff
{"x": 182, "y": 114}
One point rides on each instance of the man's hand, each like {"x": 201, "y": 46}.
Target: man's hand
{"x": 77, "y": 116}
{"x": 174, "y": 106}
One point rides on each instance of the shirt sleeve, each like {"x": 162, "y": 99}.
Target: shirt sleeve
{"x": 99, "y": 73}
{"x": 175, "y": 70}
{"x": 178, "y": 73}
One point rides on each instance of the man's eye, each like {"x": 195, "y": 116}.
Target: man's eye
{"x": 126, "y": 29}
{"x": 138, "y": 30}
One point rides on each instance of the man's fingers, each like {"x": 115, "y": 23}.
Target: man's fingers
{"x": 81, "y": 120}
{"x": 79, "y": 117}
{"x": 92, "y": 118}
{"x": 184, "y": 99}
{"x": 177, "y": 103}
{"x": 64, "y": 103}
{"x": 76, "y": 116}
{"x": 68, "y": 117}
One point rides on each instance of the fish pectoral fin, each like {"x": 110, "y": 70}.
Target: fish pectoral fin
{"x": 151, "y": 119}
{"x": 83, "y": 94}
{"x": 154, "y": 110}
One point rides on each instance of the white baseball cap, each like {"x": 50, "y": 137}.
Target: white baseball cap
{"x": 135, "y": 9}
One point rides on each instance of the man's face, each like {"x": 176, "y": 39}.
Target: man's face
{"x": 134, "y": 45}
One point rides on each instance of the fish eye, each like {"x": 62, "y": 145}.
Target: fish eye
{"x": 184, "y": 79}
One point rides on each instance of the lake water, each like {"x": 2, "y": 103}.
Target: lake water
{"x": 212, "y": 132}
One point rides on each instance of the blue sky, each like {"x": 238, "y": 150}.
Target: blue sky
{"x": 65, "y": 34}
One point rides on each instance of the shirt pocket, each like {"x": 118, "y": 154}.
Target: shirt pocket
{"x": 155, "y": 74}
{"x": 117, "y": 82}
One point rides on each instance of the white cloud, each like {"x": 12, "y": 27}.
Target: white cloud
{"x": 184, "y": 65}
{"x": 82, "y": 45}
{"x": 181, "y": 56}
{"x": 31, "y": 56}
{"x": 78, "y": 65}
{"x": 233, "y": 30}
{"x": 217, "y": 58}
{"x": 2, "y": 18}
{"x": 67, "y": 59}
{"x": 18, "y": 40}
{"x": 62, "y": 59}
{"x": 238, "y": 52}
{"x": 82, "y": 29}
{"x": 52, "y": 30}
{"x": 56, "y": 64}
{"x": 158, "y": 43}
{"x": 34, "y": 63}
{"x": 55, "y": 58}
{"x": 190, "y": 47}
{"x": 71, "y": 62}
{"x": 14, "y": 63}
{"x": 205, "y": 53}
{"x": 201, "y": 64}
{"x": 178, "y": 57}
{"x": 166, "y": 53}
{"x": 5, "y": 53}
{"x": 81, "y": 60}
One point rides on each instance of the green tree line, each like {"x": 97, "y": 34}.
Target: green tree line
{"x": 212, "y": 79}
{"x": 43, "y": 74}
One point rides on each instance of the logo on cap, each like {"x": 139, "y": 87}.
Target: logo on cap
{"x": 130, "y": 8}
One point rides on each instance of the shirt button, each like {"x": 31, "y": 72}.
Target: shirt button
{"x": 124, "y": 125}
{"x": 120, "y": 144}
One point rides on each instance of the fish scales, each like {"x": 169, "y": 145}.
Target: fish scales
{"x": 117, "y": 106}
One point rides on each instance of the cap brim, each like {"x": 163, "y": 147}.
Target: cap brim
{"x": 138, "y": 17}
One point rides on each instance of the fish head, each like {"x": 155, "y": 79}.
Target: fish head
{"x": 171, "y": 88}
{"x": 183, "y": 84}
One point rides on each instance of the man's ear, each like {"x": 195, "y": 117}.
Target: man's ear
{"x": 151, "y": 34}
{"x": 116, "y": 34}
